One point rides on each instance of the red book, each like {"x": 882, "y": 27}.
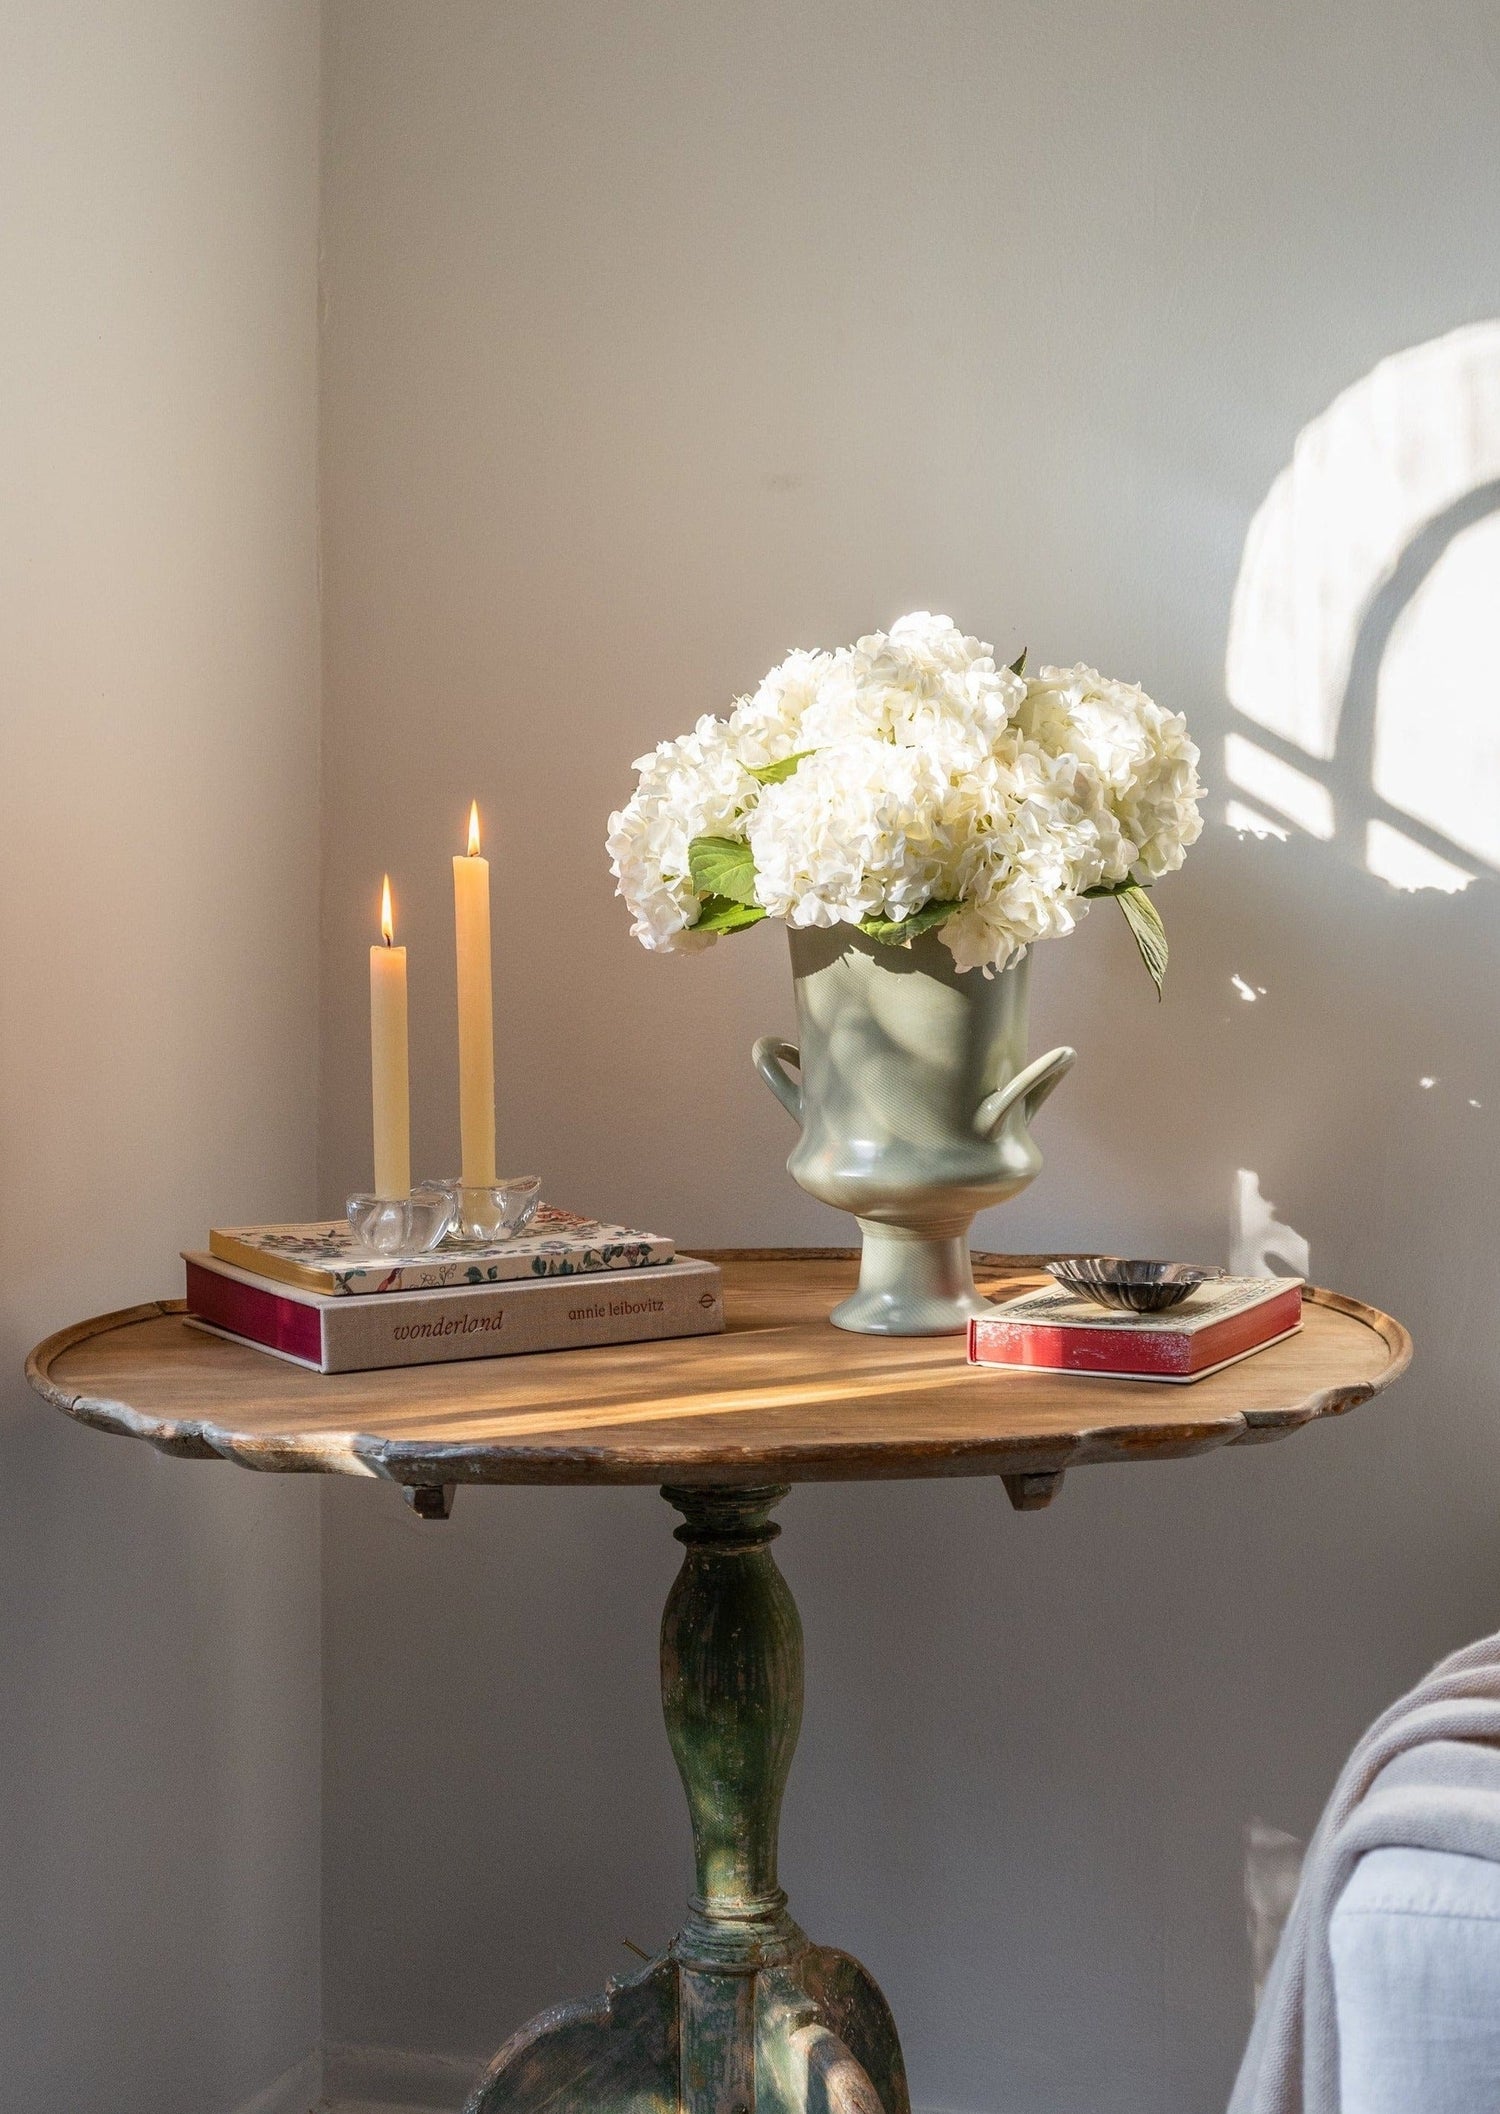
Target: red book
{"x": 1057, "y": 1331}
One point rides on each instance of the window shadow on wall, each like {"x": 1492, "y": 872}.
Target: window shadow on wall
{"x": 1362, "y": 650}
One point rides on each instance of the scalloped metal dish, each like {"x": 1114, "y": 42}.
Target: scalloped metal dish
{"x": 1134, "y": 1287}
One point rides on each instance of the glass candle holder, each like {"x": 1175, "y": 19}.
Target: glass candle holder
{"x": 497, "y": 1211}
{"x": 397, "y": 1226}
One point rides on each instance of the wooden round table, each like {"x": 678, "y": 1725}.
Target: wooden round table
{"x": 742, "y": 2014}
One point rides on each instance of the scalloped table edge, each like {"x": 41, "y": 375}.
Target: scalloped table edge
{"x": 423, "y": 1464}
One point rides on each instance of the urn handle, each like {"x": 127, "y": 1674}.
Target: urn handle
{"x": 771, "y": 1056}
{"x": 1031, "y": 1087}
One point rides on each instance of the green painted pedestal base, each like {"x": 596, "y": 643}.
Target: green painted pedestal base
{"x": 742, "y": 2014}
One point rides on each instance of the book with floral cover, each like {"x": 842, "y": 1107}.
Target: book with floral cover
{"x": 322, "y": 1257}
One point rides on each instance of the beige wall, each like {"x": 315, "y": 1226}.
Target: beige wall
{"x": 158, "y": 933}
{"x": 661, "y": 337}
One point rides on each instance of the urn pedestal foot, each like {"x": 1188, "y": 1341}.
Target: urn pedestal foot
{"x": 911, "y": 1284}
{"x": 741, "y": 2014}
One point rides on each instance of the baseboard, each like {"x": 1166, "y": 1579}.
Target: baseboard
{"x": 398, "y": 2081}
{"x": 373, "y": 2106}
{"x": 296, "y": 2091}
{"x": 360, "y": 2080}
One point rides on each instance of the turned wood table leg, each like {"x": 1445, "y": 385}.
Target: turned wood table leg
{"x": 742, "y": 2014}
{"x": 731, "y": 1686}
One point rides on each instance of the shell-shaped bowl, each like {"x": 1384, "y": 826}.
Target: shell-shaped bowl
{"x": 1134, "y": 1287}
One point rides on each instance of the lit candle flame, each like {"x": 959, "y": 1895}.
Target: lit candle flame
{"x": 387, "y": 921}
{"x": 473, "y": 829}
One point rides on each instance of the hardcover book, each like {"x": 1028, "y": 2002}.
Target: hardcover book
{"x": 322, "y": 1257}
{"x": 1058, "y": 1331}
{"x": 352, "y": 1333}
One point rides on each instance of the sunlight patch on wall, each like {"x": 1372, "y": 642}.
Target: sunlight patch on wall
{"x": 1260, "y": 1244}
{"x": 1403, "y": 444}
{"x": 1251, "y": 823}
{"x": 1364, "y": 633}
{"x": 1437, "y": 712}
{"x": 1392, "y": 856}
{"x": 1281, "y": 786}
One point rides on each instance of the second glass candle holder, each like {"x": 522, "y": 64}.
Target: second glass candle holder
{"x": 492, "y": 1211}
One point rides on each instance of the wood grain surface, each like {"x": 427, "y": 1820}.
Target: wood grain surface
{"x": 780, "y": 1397}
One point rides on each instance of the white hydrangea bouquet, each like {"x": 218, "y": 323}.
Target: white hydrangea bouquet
{"x": 917, "y": 817}
{"x": 904, "y": 784}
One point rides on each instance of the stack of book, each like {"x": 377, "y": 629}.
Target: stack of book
{"x": 306, "y": 1293}
{"x": 1059, "y": 1331}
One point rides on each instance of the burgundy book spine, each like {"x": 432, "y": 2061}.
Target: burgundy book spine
{"x": 1171, "y": 1353}
{"x": 280, "y": 1324}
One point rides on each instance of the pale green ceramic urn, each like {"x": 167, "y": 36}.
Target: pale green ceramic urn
{"x": 914, "y": 1103}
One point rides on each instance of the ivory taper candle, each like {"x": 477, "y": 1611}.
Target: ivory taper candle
{"x": 476, "y": 1012}
{"x": 389, "y": 1080}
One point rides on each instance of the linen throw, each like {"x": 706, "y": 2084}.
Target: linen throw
{"x": 1425, "y": 1776}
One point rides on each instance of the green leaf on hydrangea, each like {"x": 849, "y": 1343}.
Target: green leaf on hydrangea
{"x": 895, "y": 933}
{"x": 722, "y": 866}
{"x": 1148, "y": 931}
{"x": 1144, "y": 920}
{"x": 719, "y": 914}
{"x": 1018, "y": 665}
{"x": 777, "y": 773}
